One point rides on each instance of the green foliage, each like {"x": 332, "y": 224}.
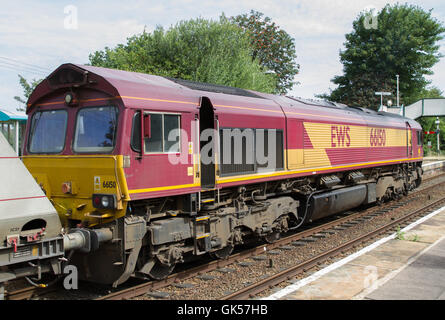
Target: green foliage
{"x": 431, "y": 93}
{"x": 28, "y": 88}
{"x": 429, "y": 123}
{"x": 201, "y": 50}
{"x": 404, "y": 43}
{"x": 272, "y": 46}
{"x": 399, "y": 234}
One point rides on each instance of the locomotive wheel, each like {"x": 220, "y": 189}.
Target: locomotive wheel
{"x": 272, "y": 237}
{"x": 223, "y": 253}
{"x": 160, "y": 271}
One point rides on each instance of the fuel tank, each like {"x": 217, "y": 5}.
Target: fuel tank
{"x": 335, "y": 201}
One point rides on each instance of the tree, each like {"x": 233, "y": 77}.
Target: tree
{"x": 215, "y": 52}
{"x": 429, "y": 123}
{"x": 404, "y": 43}
{"x": 28, "y": 88}
{"x": 429, "y": 93}
{"x": 272, "y": 46}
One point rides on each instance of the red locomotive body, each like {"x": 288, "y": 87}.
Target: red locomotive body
{"x": 177, "y": 168}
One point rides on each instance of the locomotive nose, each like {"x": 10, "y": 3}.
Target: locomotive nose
{"x": 73, "y": 191}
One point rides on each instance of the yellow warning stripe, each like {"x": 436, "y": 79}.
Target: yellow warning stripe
{"x": 313, "y": 170}
{"x": 260, "y": 176}
{"x": 117, "y": 97}
{"x": 205, "y": 235}
{"x": 182, "y": 186}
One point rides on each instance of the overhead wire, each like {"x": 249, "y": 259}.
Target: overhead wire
{"x": 20, "y": 70}
{"x": 17, "y": 62}
{"x": 15, "y": 65}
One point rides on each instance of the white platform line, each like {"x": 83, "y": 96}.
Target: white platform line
{"x": 425, "y": 165}
{"x": 293, "y": 287}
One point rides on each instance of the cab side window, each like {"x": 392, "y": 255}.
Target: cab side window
{"x": 164, "y": 133}
{"x": 154, "y": 143}
{"x": 419, "y": 138}
{"x": 136, "y": 133}
{"x": 172, "y": 124}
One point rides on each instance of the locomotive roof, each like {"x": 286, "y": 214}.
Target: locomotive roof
{"x": 122, "y": 84}
{"x": 194, "y": 85}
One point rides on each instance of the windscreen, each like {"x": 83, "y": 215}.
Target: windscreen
{"x": 95, "y": 129}
{"x": 48, "y": 130}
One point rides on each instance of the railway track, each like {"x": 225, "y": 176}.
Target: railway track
{"x": 27, "y": 293}
{"x": 297, "y": 239}
{"x": 315, "y": 229}
{"x": 256, "y": 288}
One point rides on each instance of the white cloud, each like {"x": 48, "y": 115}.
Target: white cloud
{"x": 44, "y": 35}
{"x": 33, "y": 32}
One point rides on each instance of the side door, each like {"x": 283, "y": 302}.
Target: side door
{"x": 409, "y": 141}
{"x": 208, "y": 144}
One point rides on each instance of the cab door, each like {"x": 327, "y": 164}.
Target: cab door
{"x": 208, "y": 144}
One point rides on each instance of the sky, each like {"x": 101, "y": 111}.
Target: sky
{"x": 38, "y": 36}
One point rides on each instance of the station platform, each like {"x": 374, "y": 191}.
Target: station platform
{"x": 411, "y": 267}
{"x": 432, "y": 167}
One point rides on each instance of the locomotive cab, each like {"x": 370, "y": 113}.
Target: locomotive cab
{"x": 72, "y": 149}
{"x": 86, "y": 141}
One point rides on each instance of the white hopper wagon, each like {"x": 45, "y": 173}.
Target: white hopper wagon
{"x": 32, "y": 240}
{"x": 30, "y": 228}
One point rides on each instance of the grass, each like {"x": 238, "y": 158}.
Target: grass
{"x": 401, "y": 236}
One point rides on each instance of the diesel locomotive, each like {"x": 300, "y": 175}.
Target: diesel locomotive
{"x": 154, "y": 171}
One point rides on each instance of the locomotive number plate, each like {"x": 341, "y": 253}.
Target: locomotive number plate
{"x": 109, "y": 184}
{"x": 102, "y": 183}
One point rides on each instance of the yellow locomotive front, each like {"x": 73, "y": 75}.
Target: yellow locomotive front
{"x": 85, "y": 190}
{"x": 71, "y": 152}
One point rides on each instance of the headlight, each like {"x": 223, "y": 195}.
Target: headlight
{"x": 104, "y": 201}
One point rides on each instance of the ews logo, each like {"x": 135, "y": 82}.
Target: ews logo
{"x": 340, "y": 136}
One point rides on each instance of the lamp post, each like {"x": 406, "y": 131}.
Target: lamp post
{"x": 397, "y": 76}
{"x": 437, "y": 130}
{"x": 381, "y": 94}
